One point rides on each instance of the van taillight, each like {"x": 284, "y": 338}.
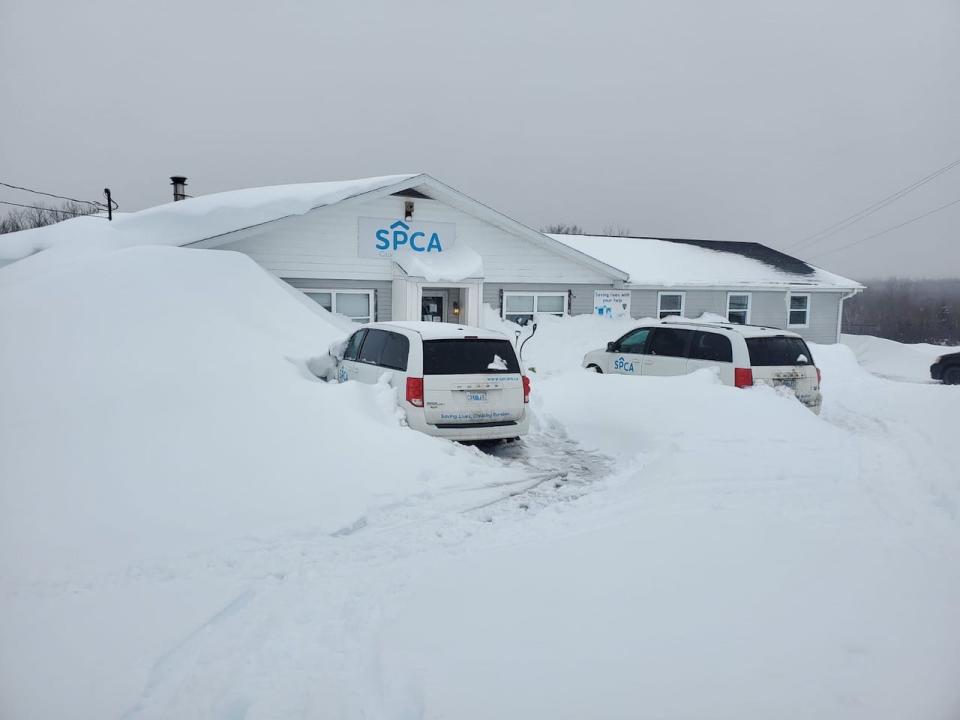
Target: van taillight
{"x": 818, "y": 375}
{"x": 526, "y": 389}
{"x": 743, "y": 377}
{"x": 415, "y": 391}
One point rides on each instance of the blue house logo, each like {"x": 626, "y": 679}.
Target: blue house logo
{"x": 398, "y": 235}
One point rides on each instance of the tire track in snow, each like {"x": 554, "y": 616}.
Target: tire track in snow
{"x": 312, "y": 606}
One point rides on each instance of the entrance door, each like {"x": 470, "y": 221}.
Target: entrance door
{"x": 432, "y": 308}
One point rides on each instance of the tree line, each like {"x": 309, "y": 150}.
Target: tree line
{"x": 908, "y": 311}
{"x": 42, "y": 215}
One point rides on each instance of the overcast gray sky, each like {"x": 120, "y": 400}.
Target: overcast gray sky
{"x": 739, "y": 120}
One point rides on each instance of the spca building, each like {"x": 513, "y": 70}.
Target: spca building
{"x": 409, "y": 247}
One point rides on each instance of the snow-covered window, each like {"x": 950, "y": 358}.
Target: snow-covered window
{"x": 521, "y": 308}
{"x": 669, "y": 304}
{"x": 798, "y": 310}
{"x": 355, "y": 304}
{"x": 738, "y": 308}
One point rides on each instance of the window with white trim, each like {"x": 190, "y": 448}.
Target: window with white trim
{"x": 738, "y": 308}
{"x": 670, "y": 304}
{"x": 355, "y": 304}
{"x": 521, "y": 308}
{"x": 798, "y": 310}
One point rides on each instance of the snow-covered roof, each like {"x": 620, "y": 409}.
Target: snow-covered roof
{"x": 441, "y": 330}
{"x": 453, "y": 265}
{"x": 710, "y": 319}
{"x": 209, "y": 220}
{"x": 194, "y": 219}
{"x": 660, "y": 262}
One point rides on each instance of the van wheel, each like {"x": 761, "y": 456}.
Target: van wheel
{"x": 951, "y": 376}
{"x": 595, "y": 368}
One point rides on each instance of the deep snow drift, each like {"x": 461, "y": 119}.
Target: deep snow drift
{"x": 894, "y": 360}
{"x": 193, "y": 526}
{"x": 155, "y": 404}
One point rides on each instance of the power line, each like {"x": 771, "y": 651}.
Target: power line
{"x": 53, "y": 210}
{"x": 890, "y": 229}
{"x": 871, "y": 209}
{"x": 59, "y": 197}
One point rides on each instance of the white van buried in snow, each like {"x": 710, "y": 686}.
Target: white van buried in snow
{"x": 743, "y": 355}
{"x": 453, "y": 381}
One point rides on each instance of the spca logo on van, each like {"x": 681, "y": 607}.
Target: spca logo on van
{"x": 382, "y": 238}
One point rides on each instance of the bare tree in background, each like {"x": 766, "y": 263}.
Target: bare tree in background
{"x": 42, "y": 215}
{"x": 563, "y": 229}
{"x": 617, "y": 230}
{"x": 612, "y": 230}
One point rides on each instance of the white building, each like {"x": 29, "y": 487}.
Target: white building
{"x": 410, "y": 247}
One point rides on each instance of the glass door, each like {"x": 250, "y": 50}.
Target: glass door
{"x": 431, "y": 308}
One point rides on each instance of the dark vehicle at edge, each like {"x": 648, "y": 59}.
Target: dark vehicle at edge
{"x": 947, "y": 369}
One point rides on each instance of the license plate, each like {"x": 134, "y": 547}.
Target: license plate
{"x": 476, "y": 397}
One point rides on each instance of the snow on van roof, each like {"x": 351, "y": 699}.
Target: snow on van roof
{"x": 665, "y": 262}
{"x": 709, "y": 320}
{"x": 193, "y": 219}
{"x": 441, "y": 330}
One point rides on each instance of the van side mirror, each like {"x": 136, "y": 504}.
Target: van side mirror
{"x": 611, "y": 346}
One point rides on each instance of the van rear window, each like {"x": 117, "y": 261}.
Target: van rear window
{"x": 469, "y": 357}
{"x": 768, "y": 351}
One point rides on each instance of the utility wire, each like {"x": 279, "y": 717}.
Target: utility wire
{"x": 59, "y": 197}
{"x": 890, "y": 229}
{"x": 53, "y": 210}
{"x": 871, "y": 209}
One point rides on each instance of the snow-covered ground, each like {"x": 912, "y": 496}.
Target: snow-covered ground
{"x": 894, "y": 360}
{"x": 192, "y": 525}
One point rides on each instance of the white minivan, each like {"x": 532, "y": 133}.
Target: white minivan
{"x": 453, "y": 381}
{"x": 743, "y": 355}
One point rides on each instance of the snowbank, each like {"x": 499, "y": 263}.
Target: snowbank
{"x": 157, "y": 399}
{"x": 894, "y": 360}
{"x": 192, "y": 525}
{"x": 559, "y": 343}
{"x": 748, "y": 560}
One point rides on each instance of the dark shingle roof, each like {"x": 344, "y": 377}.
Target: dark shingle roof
{"x": 755, "y": 251}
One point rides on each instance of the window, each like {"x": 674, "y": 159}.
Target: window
{"x": 469, "y": 357}
{"x": 670, "y": 342}
{"x": 521, "y": 308}
{"x": 773, "y": 351}
{"x": 372, "y": 346}
{"x": 669, "y": 303}
{"x": 353, "y": 345}
{"x": 633, "y": 342}
{"x": 355, "y": 304}
{"x": 711, "y": 346}
{"x": 738, "y": 308}
{"x": 798, "y": 311}
{"x": 395, "y": 352}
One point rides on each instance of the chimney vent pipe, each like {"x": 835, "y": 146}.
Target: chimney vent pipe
{"x": 179, "y": 183}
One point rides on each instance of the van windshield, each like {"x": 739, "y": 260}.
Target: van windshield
{"x": 768, "y": 351}
{"x": 469, "y": 357}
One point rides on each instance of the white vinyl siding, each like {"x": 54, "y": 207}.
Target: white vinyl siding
{"x": 670, "y": 304}
{"x": 355, "y": 304}
{"x": 738, "y": 308}
{"x": 521, "y": 308}
{"x": 323, "y": 243}
{"x": 798, "y": 310}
